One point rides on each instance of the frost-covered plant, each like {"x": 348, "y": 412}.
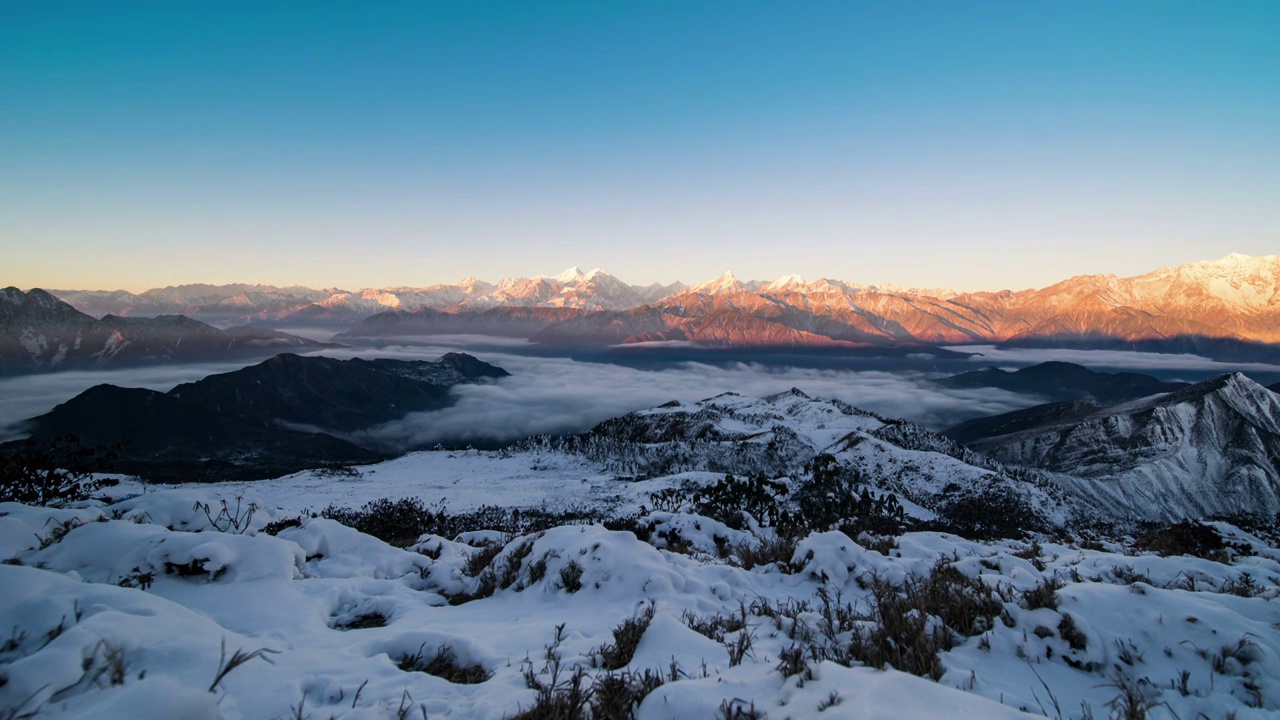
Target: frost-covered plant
{"x": 556, "y": 698}
{"x": 1068, "y": 631}
{"x": 228, "y": 520}
{"x": 791, "y": 662}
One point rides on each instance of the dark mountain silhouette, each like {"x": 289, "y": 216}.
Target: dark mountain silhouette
{"x": 1064, "y": 381}
{"x": 284, "y": 414}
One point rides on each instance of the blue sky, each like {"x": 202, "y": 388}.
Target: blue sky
{"x": 972, "y": 145}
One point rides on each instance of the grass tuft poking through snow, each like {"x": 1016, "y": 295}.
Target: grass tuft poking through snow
{"x": 443, "y": 664}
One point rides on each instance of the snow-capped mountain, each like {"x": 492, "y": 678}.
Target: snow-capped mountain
{"x": 1212, "y": 448}
{"x": 1227, "y": 309}
{"x": 264, "y": 304}
{"x": 40, "y": 333}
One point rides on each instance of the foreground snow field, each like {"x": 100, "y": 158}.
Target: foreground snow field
{"x": 132, "y": 609}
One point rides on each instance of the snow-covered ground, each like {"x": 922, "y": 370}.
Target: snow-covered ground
{"x": 122, "y": 611}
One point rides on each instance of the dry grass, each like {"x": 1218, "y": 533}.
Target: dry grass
{"x": 443, "y": 664}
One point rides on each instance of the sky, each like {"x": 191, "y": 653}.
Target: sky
{"x": 970, "y": 145}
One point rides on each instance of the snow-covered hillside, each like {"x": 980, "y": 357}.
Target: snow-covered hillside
{"x": 152, "y": 607}
{"x": 1209, "y": 449}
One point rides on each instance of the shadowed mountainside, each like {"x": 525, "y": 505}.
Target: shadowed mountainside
{"x": 40, "y": 333}
{"x": 285, "y": 414}
{"x": 1064, "y": 381}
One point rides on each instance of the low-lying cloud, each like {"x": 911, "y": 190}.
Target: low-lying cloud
{"x": 558, "y": 395}
{"x": 1112, "y": 359}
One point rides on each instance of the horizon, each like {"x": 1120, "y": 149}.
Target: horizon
{"x": 922, "y": 145}
{"x": 634, "y": 282}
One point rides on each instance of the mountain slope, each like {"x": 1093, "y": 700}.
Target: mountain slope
{"x": 778, "y": 434}
{"x": 1208, "y": 449}
{"x": 39, "y": 333}
{"x": 264, "y": 420}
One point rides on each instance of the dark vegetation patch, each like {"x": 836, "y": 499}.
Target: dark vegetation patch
{"x": 401, "y": 522}
{"x": 563, "y": 694}
{"x": 193, "y": 569}
{"x": 906, "y": 626}
{"x": 54, "y": 473}
{"x": 363, "y": 621}
{"x": 1185, "y": 538}
{"x": 571, "y": 577}
{"x": 626, "y": 638}
{"x": 988, "y": 513}
{"x": 443, "y": 664}
{"x": 1043, "y": 595}
{"x": 277, "y": 526}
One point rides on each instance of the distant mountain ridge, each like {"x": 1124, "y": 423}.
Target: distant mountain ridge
{"x": 1226, "y": 309}
{"x": 40, "y": 333}
{"x": 281, "y": 415}
{"x": 1064, "y": 381}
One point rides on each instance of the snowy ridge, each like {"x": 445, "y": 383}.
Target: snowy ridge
{"x": 1208, "y": 449}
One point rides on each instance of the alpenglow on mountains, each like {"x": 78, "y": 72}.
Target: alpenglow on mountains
{"x": 1227, "y": 308}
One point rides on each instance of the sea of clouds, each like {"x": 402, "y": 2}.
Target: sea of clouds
{"x": 561, "y": 395}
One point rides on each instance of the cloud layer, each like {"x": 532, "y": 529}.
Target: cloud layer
{"x": 557, "y": 395}
{"x": 560, "y": 395}
{"x": 1109, "y": 359}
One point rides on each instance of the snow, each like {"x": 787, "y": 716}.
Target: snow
{"x": 122, "y": 607}
{"x": 292, "y": 593}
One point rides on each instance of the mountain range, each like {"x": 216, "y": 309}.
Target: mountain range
{"x": 40, "y": 333}
{"x": 1226, "y": 309}
{"x": 284, "y": 414}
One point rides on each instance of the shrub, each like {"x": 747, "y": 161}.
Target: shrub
{"x": 615, "y": 696}
{"x": 990, "y": 513}
{"x": 54, "y": 474}
{"x": 571, "y": 577}
{"x": 729, "y": 498}
{"x": 276, "y": 527}
{"x": 910, "y": 624}
{"x": 779, "y": 550}
{"x": 836, "y": 496}
{"x": 1185, "y": 538}
{"x": 402, "y": 521}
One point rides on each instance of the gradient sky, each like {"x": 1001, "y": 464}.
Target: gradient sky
{"x": 964, "y": 144}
